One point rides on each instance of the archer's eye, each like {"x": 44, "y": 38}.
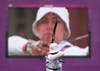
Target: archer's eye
{"x": 57, "y": 20}
{"x": 43, "y": 21}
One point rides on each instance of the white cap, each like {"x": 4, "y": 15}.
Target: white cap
{"x": 62, "y": 12}
{"x": 53, "y": 48}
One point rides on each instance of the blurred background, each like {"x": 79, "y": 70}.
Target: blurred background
{"x": 20, "y": 23}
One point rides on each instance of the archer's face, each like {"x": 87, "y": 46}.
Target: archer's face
{"x": 46, "y": 25}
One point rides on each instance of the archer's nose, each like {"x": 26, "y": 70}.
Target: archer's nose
{"x": 50, "y": 27}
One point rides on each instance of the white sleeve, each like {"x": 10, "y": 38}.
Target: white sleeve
{"x": 73, "y": 50}
{"x": 15, "y": 45}
{"x": 55, "y": 56}
{"x": 76, "y": 51}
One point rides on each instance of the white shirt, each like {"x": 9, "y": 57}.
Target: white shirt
{"x": 16, "y": 43}
{"x": 52, "y": 61}
{"x": 72, "y": 50}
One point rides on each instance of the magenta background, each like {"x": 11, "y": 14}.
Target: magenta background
{"x": 34, "y": 64}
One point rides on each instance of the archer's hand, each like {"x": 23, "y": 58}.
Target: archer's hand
{"x": 40, "y": 48}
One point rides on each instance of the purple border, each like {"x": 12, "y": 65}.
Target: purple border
{"x": 39, "y": 5}
{"x": 30, "y": 64}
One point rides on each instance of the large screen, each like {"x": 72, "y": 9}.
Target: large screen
{"x": 31, "y": 31}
